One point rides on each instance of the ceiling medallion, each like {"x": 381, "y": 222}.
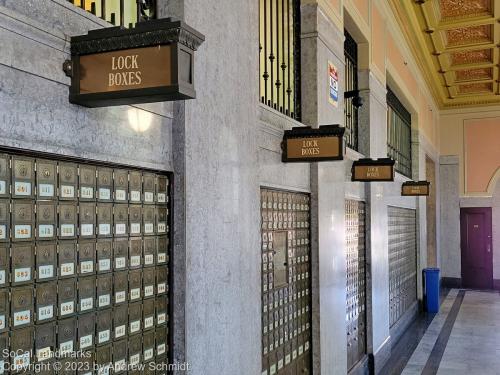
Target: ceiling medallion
{"x": 468, "y": 35}
{"x": 464, "y": 8}
{"x": 471, "y": 57}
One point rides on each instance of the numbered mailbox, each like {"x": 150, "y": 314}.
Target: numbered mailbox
{"x": 46, "y": 300}
{"x": 86, "y": 293}
{"x": 161, "y": 310}
{"x": 103, "y": 357}
{"x": 135, "y": 317}
{"x": 120, "y": 284}
{"x": 21, "y": 347}
{"x": 5, "y": 174}
{"x": 161, "y": 220}
{"x": 23, "y": 177}
{"x": 4, "y": 350}
{"x": 104, "y": 326}
{"x": 68, "y": 181}
{"x": 23, "y": 220}
{"x": 135, "y": 186}
{"x": 104, "y": 219}
{"x": 121, "y": 185}
{"x": 120, "y": 320}
{"x": 161, "y": 280}
{"x": 149, "y": 369}
{"x": 46, "y": 179}
{"x": 4, "y": 220}
{"x": 4, "y": 310}
{"x": 67, "y": 220}
{"x": 4, "y": 265}
{"x": 46, "y": 260}
{"x": 135, "y": 253}
{"x": 148, "y": 340}
{"x": 135, "y": 220}
{"x": 66, "y": 297}
{"x": 104, "y": 250}
{"x": 120, "y": 254}
{"x": 22, "y": 306}
{"x": 87, "y": 219}
{"x": 120, "y": 356}
{"x": 104, "y": 290}
{"x": 149, "y": 245}
{"x": 86, "y": 330}
{"x": 23, "y": 256}
{"x": 134, "y": 350}
{"x": 86, "y": 363}
{"x": 135, "y": 283}
{"x": 68, "y": 366}
{"x": 45, "y": 341}
{"x": 161, "y": 334}
{"x": 162, "y": 250}
{"x": 148, "y": 313}
{"x": 66, "y": 335}
{"x": 120, "y": 216}
{"x": 86, "y": 257}
{"x": 161, "y": 189}
{"x": 104, "y": 184}
{"x": 148, "y": 282}
{"x": 67, "y": 259}
{"x": 149, "y": 180}
{"x": 148, "y": 215}
{"x": 87, "y": 182}
{"x": 46, "y": 220}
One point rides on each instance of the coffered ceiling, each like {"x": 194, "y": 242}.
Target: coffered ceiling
{"x": 456, "y": 43}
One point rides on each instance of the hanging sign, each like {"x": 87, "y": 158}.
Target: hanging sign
{"x": 415, "y": 188}
{"x": 333, "y": 79}
{"x": 371, "y": 170}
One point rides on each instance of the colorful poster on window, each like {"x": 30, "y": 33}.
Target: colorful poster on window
{"x": 333, "y": 77}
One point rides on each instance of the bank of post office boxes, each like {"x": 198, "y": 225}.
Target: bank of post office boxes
{"x": 161, "y": 334}
{"x": 161, "y": 310}
{"x": 23, "y": 177}
{"x": 161, "y": 189}
{"x": 134, "y": 350}
{"x": 135, "y": 284}
{"x": 66, "y": 335}
{"x": 104, "y": 219}
{"x": 161, "y": 280}
{"x": 4, "y": 310}
{"x": 46, "y": 301}
{"x": 104, "y": 184}
{"x": 67, "y": 259}
{"x": 148, "y": 313}
{"x": 104, "y": 250}
{"x": 120, "y": 254}
{"x": 135, "y": 253}
{"x": 120, "y": 320}
{"x": 120, "y": 285}
{"x": 120, "y": 356}
{"x": 46, "y": 179}
{"x": 22, "y": 306}
{"x": 46, "y": 220}
{"x": 23, "y": 220}
{"x": 4, "y": 264}
{"x": 162, "y": 250}
{"x": 67, "y": 220}
{"x": 103, "y": 358}
{"x": 135, "y": 186}
{"x": 5, "y": 175}
{"x": 87, "y": 219}
{"x": 135, "y": 220}
{"x": 148, "y": 218}
{"x": 4, "y": 220}
{"x": 121, "y": 185}
{"x": 104, "y": 290}
{"x": 135, "y": 317}
{"x": 148, "y": 282}
{"x": 149, "y": 244}
{"x": 68, "y": 181}
{"x": 149, "y": 181}
{"x": 104, "y": 326}
{"x": 148, "y": 340}
{"x": 21, "y": 347}
{"x": 86, "y": 293}
{"x": 87, "y": 182}
{"x": 45, "y": 341}
{"x": 86, "y": 257}
{"x": 66, "y": 297}
{"x": 86, "y": 330}
{"x": 161, "y": 220}
{"x": 23, "y": 256}
{"x": 46, "y": 261}
{"x": 120, "y": 220}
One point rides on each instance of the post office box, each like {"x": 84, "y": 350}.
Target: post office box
{"x": 161, "y": 220}
{"x": 85, "y": 364}
{"x": 68, "y": 181}
{"x": 4, "y": 352}
{"x": 149, "y": 188}
{"x": 4, "y": 310}
{"x": 86, "y": 330}
{"x": 104, "y": 184}
{"x": 46, "y": 300}
{"x": 66, "y": 335}
{"x": 120, "y": 284}
{"x": 23, "y": 256}
{"x": 67, "y": 259}
{"x": 162, "y": 250}
{"x": 46, "y": 220}
{"x": 23, "y": 177}
{"x": 150, "y": 369}
{"x": 135, "y": 186}
{"x": 121, "y": 185}
{"x": 86, "y": 257}
{"x": 86, "y": 293}
{"x": 161, "y": 189}
{"x": 120, "y": 216}
{"x": 135, "y": 317}
{"x": 120, "y": 320}
{"x": 87, "y": 182}
{"x": 120, "y": 356}
{"x": 148, "y": 340}
{"x": 103, "y": 357}
{"x": 104, "y": 326}
{"x": 135, "y": 284}
{"x": 104, "y": 219}
{"x": 21, "y": 347}
{"x": 68, "y": 366}
{"x": 23, "y": 219}
{"x": 22, "y": 306}
{"x": 120, "y": 254}
{"x": 135, "y": 253}
{"x": 161, "y": 310}
{"x": 45, "y": 341}
{"x": 87, "y": 219}
{"x": 149, "y": 244}
{"x": 161, "y": 334}
{"x": 148, "y": 282}
{"x": 148, "y": 216}
{"x": 148, "y": 313}
{"x": 46, "y": 178}
{"x": 134, "y": 350}
{"x": 104, "y": 290}
{"x": 66, "y": 297}
{"x": 4, "y": 264}
{"x": 135, "y": 220}
{"x": 5, "y": 175}
{"x": 4, "y": 220}
{"x": 161, "y": 280}
{"x": 104, "y": 250}
{"x": 46, "y": 261}
{"x": 67, "y": 220}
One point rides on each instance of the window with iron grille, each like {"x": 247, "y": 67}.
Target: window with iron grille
{"x": 119, "y": 12}
{"x": 398, "y": 134}
{"x": 351, "y": 91}
{"x": 279, "y": 46}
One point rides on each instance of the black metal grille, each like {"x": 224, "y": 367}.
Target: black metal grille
{"x": 398, "y": 134}
{"x": 119, "y": 12}
{"x": 351, "y": 88}
{"x": 280, "y": 55}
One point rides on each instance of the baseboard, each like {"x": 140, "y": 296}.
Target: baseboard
{"x": 496, "y": 284}
{"x": 361, "y": 368}
{"x": 452, "y": 282}
{"x": 377, "y": 361}
{"x": 400, "y": 327}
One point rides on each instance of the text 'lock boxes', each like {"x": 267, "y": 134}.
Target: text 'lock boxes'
{"x": 23, "y": 220}
{"x": 46, "y": 220}
{"x": 87, "y": 182}
{"x": 68, "y": 181}
{"x": 104, "y": 326}
{"x": 66, "y": 295}
{"x": 23, "y": 177}
{"x": 104, "y": 184}
{"x": 46, "y": 301}
{"x": 46, "y": 174}
{"x": 104, "y": 250}
{"x": 22, "y": 263}
{"x": 46, "y": 261}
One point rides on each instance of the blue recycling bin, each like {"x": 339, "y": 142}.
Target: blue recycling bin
{"x": 431, "y": 289}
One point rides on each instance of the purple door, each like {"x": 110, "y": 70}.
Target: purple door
{"x": 477, "y": 256}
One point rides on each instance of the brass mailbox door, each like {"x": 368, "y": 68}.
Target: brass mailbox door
{"x": 46, "y": 179}
{"x": 46, "y": 301}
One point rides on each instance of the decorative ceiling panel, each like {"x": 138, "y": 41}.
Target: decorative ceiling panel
{"x": 468, "y": 35}
{"x": 474, "y": 74}
{"x": 471, "y": 57}
{"x": 475, "y": 88}
{"x": 464, "y": 8}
